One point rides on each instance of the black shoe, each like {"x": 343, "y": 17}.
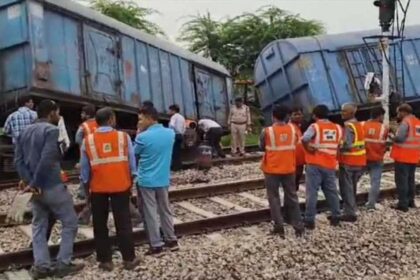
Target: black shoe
{"x": 299, "y": 232}
{"x": 399, "y": 208}
{"x": 310, "y": 225}
{"x": 154, "y": 251}
{"x": 412, "y": 204}
{"x": 63, "y": 270}
{"x": 348, "y": 218}
{"x": 279, "y": 230}
{"x": 334, "y": 221}
{"x": 40, "y": 273}
{"x": 130, "y": 265}
{"x": 172, "y": 245}
{"x": 107, "y": 266}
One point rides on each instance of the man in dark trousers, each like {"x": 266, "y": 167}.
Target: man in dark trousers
{"x": 108, "y": 167}
{"x": 177, "y": 123}
{"x": 213, "y": 132}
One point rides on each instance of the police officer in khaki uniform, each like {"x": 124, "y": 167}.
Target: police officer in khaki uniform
{"x": 239, "y": 121}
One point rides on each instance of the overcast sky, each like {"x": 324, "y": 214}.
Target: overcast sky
{"x": 337, "y": 15}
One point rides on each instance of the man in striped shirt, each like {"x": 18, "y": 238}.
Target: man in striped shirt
{"x": 20, "y": 119}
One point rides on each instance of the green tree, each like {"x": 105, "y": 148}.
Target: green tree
{"x": 237, "y": 42}
{"x": 128, "y": 12}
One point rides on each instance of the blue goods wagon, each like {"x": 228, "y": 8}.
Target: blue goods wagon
{"x": 331, "y": 70}
{"x": 61, "y": 50}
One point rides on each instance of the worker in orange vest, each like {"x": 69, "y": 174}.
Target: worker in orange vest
{"x": 352, "y": 161}
{"x": 321, "y": 141}
{"x": 406, "y": 154}
{"x": 376, "y": 134}
{"x": 108, "y": 166}
{"x": 279, "y": 167}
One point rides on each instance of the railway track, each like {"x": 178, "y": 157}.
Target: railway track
{"x": 196, "y": 210}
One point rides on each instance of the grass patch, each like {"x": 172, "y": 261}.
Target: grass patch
{"x": 250, "y": 140}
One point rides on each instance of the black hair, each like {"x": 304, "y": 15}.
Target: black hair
{"x": 45, "y": 107}
{"x": 174, "y": 108}
{"x": 89, "y": 110}
{"x": 377, "y": 112}
{"x": 24, "y": 99}
{"x": 238, "y": 99}
{"x": 297, "y": 109}
{"x": 103, "y": 116}
{"x": 280, "y": 112}
{"x": 321, "y": 111}
{"x": 150, "y": 112}
{"x": 147, "y": 103}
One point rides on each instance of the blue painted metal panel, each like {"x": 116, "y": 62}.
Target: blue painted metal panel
{"x": 62, "y": 43}
{"x": 188, "y": 93}
{"x": 167, "y": 85}
{"x": 221, "y": 103}
{"x": 15, "y": 68}
{"x": 177, "y": 83}
{"x": 331, "y": 69}
{"x": 156, "y": 79}
{"x": 4, "y": 3}
{"x": 203, "y": 83}
{"x": 143, "y": 78}
{"x": 13, "y": 25}
{"x": 101, "y": 61}
{"x": 128, "y": 72}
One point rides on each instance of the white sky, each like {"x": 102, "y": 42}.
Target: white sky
{"x": 337, "y": 15}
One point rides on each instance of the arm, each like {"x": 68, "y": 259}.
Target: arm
{"x": 138, "y": 145}
{"x": 262, "y": 140}
{"x": 79, "y": 136}
{"x": 348, "y": 138}
{"x": 172, "y": 123}
{"x": 248, "y": 117}
{"x": 21, "y": 168}
{"x": 8, "y": 126}
{"x": 402, "y": 133}
{"x": 131, "y": 156}
{"x": 84, "y": 165}
{"x": 307, "y": 138}
{"x": 230, "y": 116}
{"x": 63, "y": 133}
{"x": 49, "y": 156}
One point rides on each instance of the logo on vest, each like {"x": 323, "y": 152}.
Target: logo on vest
{"x": 371, "y": 131}
{"x": 107, "y": 148}
{"x": 329, "y": 135}
{"x": 284, "y": 137}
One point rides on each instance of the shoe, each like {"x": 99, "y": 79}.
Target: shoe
{"x": 412, "y": 204}
{"x": 107, "y": 266}
{"x": 299, "y": 232}
{"x": 310, "y": 225}
{"x": 279, "y": 230}
{"x": 130, "y": 265}
{"x": 172, "y": 245}
{"x": 348, "y": 218}
{"x": 63, "y": 270}
{"x": 334, "y": 221}
{"x": 154, "y": 251}
{"x": 399, "y": 208}
{"x": 40, "y": 273}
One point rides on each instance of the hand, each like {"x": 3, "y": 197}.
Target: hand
{"x": 21, "y": 185}
{"x": 29, "y": 189}
{"x": 311, "y": 149}
{"x": 77, "y": 166}
{"x": 17, "y": 210}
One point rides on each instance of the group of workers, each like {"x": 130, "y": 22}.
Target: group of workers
{"x": 325, "y": 146}
{"x": 110, "y": 163}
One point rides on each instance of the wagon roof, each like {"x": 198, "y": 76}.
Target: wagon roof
{"x": 160, "y": 43}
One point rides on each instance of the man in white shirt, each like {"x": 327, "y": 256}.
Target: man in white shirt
{"x": 177, "y": 123}
{"x": 213, "y": 132}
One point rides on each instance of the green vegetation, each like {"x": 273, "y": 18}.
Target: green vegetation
{"x": 251, "y": 139}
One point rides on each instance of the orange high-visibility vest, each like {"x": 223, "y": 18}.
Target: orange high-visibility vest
{"x": 375, "y": 140}
{"x": 357, "y": 154}
{"x": 280, "y": 149}
{"x": 328, "y": 136}
{"x": 409, "y": 150}
{"x": 109, "y": 164}
{"x": 300, "y": 150}
{"x": 89, "y": 127}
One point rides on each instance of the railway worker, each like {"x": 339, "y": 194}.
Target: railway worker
{"x": 406, "y": 154}
{"x": 352, "y": 161}
{"x": 376, "y": 134}
{"x": 177, "y": 123}
{"x": 153, "y": 146}
{"x": 279, "y": 143}
{"x": 321, "y": 141}
{"x": 213, "y": 132}
{"x": 108, "y": 166}
{"x": 38, "y": 164}
{"x": 17, "y": 121}
{"x": 296, "y": 119}
{"x": 239, "y": 121}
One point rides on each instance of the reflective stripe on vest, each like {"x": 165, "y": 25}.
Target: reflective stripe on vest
{"x": 273, "y": 146}
{"x": 330, "y": 149}
{"x": 357, "y": 144}
{"x": 97, "y": 161}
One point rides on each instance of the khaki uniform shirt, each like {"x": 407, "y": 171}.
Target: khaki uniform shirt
{"x": 239, "y": 115}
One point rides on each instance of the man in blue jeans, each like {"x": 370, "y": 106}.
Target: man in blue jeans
{"x": 38, "y": 164}
{"x": 376, "y": 134}
{"x": 154, "y": 148}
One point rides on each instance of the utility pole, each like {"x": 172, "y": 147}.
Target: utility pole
{"x": 386, "y": 17}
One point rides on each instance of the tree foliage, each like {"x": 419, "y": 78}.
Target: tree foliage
{"x": 237, "y": 42}
{"x": 128, "y": 12}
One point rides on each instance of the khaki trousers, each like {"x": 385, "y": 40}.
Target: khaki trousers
{"x": 238, "y": 132}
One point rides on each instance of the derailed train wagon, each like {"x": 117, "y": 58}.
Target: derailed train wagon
{"x": 61, "y": 50}
{"x": 331, "y": 70}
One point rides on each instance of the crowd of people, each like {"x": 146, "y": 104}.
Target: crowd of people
{"x": 111, "y": 163}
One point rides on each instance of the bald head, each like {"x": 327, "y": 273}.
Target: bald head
{"x": 348, "y": 111}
